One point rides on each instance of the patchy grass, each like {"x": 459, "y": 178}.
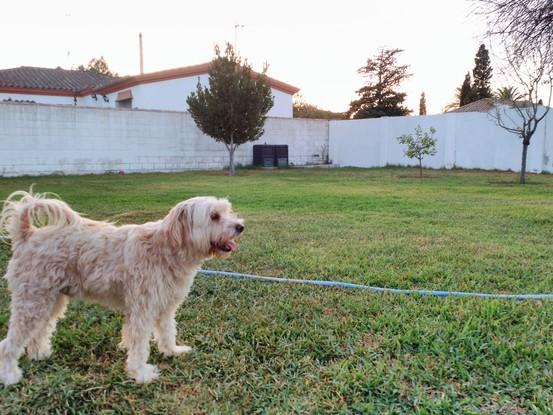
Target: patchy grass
{"x": 268, "y": 348}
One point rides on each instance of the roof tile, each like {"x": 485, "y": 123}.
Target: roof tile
{"x": 51, "y": 79}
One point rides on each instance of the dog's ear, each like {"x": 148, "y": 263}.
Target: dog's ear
{"x": 178, "y": 226}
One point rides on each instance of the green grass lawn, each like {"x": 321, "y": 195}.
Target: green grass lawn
{"x": 279, "y": 349}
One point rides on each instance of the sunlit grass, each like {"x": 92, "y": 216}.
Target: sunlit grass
{"x": 271, "y": 348}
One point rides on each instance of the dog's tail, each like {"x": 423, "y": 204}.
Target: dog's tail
{"x": 24, "y": 212}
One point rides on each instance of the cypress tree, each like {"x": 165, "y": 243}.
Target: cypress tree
{"x": 466, "y": 93}
{"x": 482, "y": 74}
{"x": 422, "y": 105}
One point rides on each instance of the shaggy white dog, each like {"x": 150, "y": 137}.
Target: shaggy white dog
{"x": 144, "y": 271}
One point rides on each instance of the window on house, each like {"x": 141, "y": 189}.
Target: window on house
{"x": 124, "y": 99}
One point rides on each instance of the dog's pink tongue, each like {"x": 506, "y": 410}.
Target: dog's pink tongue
{"x": 231, "y": 245}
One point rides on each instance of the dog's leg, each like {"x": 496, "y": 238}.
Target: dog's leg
{"x": 40, "y": 346}
{"x": 124, "y": 343}
{"x": 138, "y": 334}
{"x": 165, "y": 332}
{"x": 29, "y": 311}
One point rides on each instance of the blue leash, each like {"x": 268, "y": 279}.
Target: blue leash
{"x": 432, "y": 293}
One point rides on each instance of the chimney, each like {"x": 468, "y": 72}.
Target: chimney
{"x": 141, "y": 54}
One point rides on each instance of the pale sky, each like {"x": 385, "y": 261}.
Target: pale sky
{"x": 314, "y": 45}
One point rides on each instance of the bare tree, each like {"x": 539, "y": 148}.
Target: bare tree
{"x": 525, "y": 30}
{"x": 523, "y": 25}
{"x": 522, "y": 117}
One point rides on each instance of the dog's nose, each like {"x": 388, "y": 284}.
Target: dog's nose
{"x": 239, "y": 228}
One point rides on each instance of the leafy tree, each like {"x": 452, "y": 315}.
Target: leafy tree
{"x": 302, "y": 109}
{"x": 378, "y": 98}
{"x": 422, "y": 105}
{"x": 234, "y": 107}
{"x": 99, "y": 66}
{"x": 422, "y": 144}
{"x": 482, "y": 74}
{"x": 508, "y": 94}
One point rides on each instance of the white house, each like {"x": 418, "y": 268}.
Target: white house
{"x": 162, "y": 90}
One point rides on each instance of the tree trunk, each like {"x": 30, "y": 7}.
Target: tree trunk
{"x": 523, "y": 166}
{"x": 420, "y": 168}
{"x": 231, "y": 170}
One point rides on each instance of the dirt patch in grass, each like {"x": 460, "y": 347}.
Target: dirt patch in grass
{"x": 417, "y": 177}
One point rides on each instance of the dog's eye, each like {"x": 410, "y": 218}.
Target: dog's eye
{"x": 215, "y": 216}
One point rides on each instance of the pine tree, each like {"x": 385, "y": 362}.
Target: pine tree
{"x": 378, "y": 97}
{"x": 422, "y": 105}
{"x": 234, "y": 107}
{"x": 482, "y": 74}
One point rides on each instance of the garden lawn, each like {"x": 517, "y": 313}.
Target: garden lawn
{"x": 280, "y": 348}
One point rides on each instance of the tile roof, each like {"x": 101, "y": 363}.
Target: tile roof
{"x": 58, "y": 79}
{"x": 488, "y": 104}
{"x": 182, "y": 72}
{"x": 482, "y": 105}
{"x": 73, "y": 82}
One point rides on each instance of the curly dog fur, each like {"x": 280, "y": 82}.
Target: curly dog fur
{"x": 145, "y": 271}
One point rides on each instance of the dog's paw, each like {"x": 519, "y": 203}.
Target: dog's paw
{"x": 182, "y": 349}
{"x": 10, "y": 375}
{"x": 122, "y": 345}
{"x": 176, "y": 350}
{"x": 39, "y": 353}
{"x": 144, "y": 374}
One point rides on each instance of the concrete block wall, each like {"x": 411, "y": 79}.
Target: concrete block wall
{"x": 40, "y": 139}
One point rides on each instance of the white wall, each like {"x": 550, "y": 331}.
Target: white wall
{"x": 45, "y": 139}
{"x": 40, "y": 99}
{"x": 86, "y": 101}
{"x": 171, "y": 96}
{"x": 467, "y": 140}
{"x": 164, "y": 95}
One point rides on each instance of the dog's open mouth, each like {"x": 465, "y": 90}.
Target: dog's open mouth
{"x": 225, "y": 246}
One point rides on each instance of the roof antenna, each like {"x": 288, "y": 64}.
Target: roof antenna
{"x": 236, "y": 27}
{"x": 141, "y": 53}
{"x": 68, "y": 54}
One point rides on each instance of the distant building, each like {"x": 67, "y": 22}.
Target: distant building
{"x": 162, "y": 90}
{"x": 482, "y": 105}
{"x": 489, "y": 104}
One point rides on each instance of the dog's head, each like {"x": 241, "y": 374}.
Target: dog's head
{"x": 205, "y": 225}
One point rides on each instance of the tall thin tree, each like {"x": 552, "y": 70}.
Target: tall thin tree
{"x": 482, "y": 74}
{"x": 422, "y": 104}
{"x": 466, "y": 93}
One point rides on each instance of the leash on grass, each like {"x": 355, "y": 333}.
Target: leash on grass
{"x": 432, "y": 293}
{"x": 340, "y": 284}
